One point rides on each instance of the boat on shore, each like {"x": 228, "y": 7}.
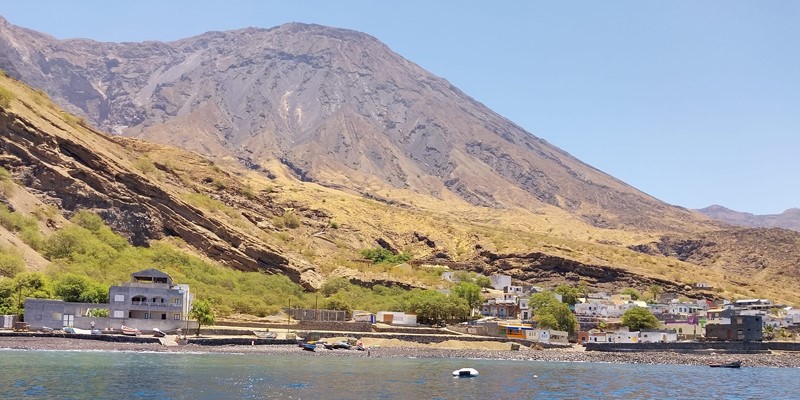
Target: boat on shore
{"x": 309, "y": 346}
{"x": 735, "y": 364}
{"x": 127, "y": 330}
{"x": 265, "y": 334}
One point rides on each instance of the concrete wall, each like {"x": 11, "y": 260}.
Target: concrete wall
{"x": 43, "y": 312}
{"x": 334, "y": 326}
{"x": 730, "y": 347}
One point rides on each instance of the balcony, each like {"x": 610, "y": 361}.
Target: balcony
{"x": 156, "y": 304}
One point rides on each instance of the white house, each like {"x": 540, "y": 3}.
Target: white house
{"x": 658, "y": 336}
{"x": 499, "y": 281}
{"x": 397, "y": 318}
{"x": 625, "y": 337}
{"x": 600, "y": 337}
{"x": 546, "y": 336}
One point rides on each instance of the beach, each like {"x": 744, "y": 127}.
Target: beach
{"x": 393, "y": 348}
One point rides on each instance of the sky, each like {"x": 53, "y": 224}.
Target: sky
{"x": 693, "y": 102}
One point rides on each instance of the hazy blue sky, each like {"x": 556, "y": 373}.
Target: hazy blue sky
{"x": 693, "y": 102}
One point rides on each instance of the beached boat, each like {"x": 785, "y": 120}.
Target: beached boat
{"x": 158, "y": 333}
{"x": 127, "y": 330}
{"x": 265, "y": 334}
{"x": 309, "y": 346}
{"x": 465, "y": 372}
{"x": 735, "y": 364}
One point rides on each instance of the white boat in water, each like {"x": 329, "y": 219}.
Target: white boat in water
{"x": 465, "y": 372}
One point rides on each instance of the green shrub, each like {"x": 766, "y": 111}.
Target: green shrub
{"x": 6, "y": 97}
{"x": 203, "y": 201}
{"x": 379, "y": 255}
{"x": 287, "y": 220}
{"x": 145, "y": 166}
{"x": 11, "y": 262}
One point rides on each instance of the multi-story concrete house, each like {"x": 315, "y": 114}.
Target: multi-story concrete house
{"x": 150, "y": 300}
{"x": 150, "y": 294}
{"x": 732, "y": 326}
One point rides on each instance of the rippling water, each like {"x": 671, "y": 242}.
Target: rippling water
{"x": 102, "y": 375}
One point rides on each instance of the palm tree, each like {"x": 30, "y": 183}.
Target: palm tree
{"x": 656, "y": 291}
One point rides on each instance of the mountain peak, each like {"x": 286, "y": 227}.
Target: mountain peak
{"x": 334, "y": 106}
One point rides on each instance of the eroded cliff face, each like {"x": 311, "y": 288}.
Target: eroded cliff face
{"x": 549, "y": 271}
{"x": 76, "y": 168}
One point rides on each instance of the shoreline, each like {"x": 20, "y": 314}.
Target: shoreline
{"x": 413, "y": 350}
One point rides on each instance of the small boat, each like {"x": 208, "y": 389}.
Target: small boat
{"x": 96, "y": 332}
{"x": 265, "y": 334}
{"x": 309, "y": 346}
{"x": 735, "y": 364}
{"x": 68, "y": 329}
{"x": 127, "y": 330}
{"x": 465, "y": 373}
{"x": 158, "y": 333}
{"x": 342, "y": 345}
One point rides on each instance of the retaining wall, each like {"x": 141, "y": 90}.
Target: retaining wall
{"x": 727, "y": 347}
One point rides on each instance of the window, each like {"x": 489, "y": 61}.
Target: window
{"x": 147, "y": 315}
{"x": 119, "y": 297}
{"x": 119, "y": 314}
{"x": 176, "y": 317}
{"x": 68, "y": 320}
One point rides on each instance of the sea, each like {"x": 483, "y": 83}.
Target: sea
{"x": 28, "y": 374}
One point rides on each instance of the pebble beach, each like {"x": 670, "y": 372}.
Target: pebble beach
{"x": 396, "y": 348}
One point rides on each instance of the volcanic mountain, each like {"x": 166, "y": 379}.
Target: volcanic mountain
{"x": 325, "y": 143}
{"x": 335, "y": 106}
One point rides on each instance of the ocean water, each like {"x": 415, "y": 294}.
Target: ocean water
{"x": 122, "y": 375}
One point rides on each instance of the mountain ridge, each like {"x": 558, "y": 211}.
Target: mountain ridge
{"x": 788, "y": 219}
{"x": 337, "y": 107}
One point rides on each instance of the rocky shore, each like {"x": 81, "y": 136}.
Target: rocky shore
{"x": 470, "y": 351}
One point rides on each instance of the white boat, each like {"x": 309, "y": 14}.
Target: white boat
{"x": 465, "y": 372}
{"x": 126, "y": 330}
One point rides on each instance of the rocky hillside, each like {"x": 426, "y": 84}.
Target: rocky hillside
{"x": 241, "y": 219}
{"x": 325, "y": 143}
{"x": 335, "y": 106}
{"x": 789, "y": 219}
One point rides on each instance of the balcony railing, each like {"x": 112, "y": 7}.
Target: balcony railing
{"x": 155, "y": 304}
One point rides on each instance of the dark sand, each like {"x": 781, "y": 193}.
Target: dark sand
{"x": 451, "y": 350}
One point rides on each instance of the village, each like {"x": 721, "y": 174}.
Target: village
{"x": 153, "y": 302}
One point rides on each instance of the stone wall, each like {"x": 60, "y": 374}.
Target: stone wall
{"x": 334, "y": 326}
{"x": 727, "y": 347}
{"x": 418, "y": 331}
{"x": 104, "y": 338}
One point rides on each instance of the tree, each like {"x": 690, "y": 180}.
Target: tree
{"x": 332, "y": 286}
{"x": 639, "y": 318}
{"x": 483, "y": 281}
{"x": 338, "y": 301}
{"x": 470, "y": 292}
{"x": 635, "y": 294}
{"x": 568, "y": 294}
{"x": 80, "y": 289}
{"x": 203, "y": 313}
{"x": 552, "y": 314}
{"x": 656, "y": 291}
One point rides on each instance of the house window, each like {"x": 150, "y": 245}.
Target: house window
{"x": 147, "y": 315}
{"x": 176, "y": 317}
{"x": 119, "y": 314}
{"x": 119, "y": 297}
{"x": 68, "y": 320}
